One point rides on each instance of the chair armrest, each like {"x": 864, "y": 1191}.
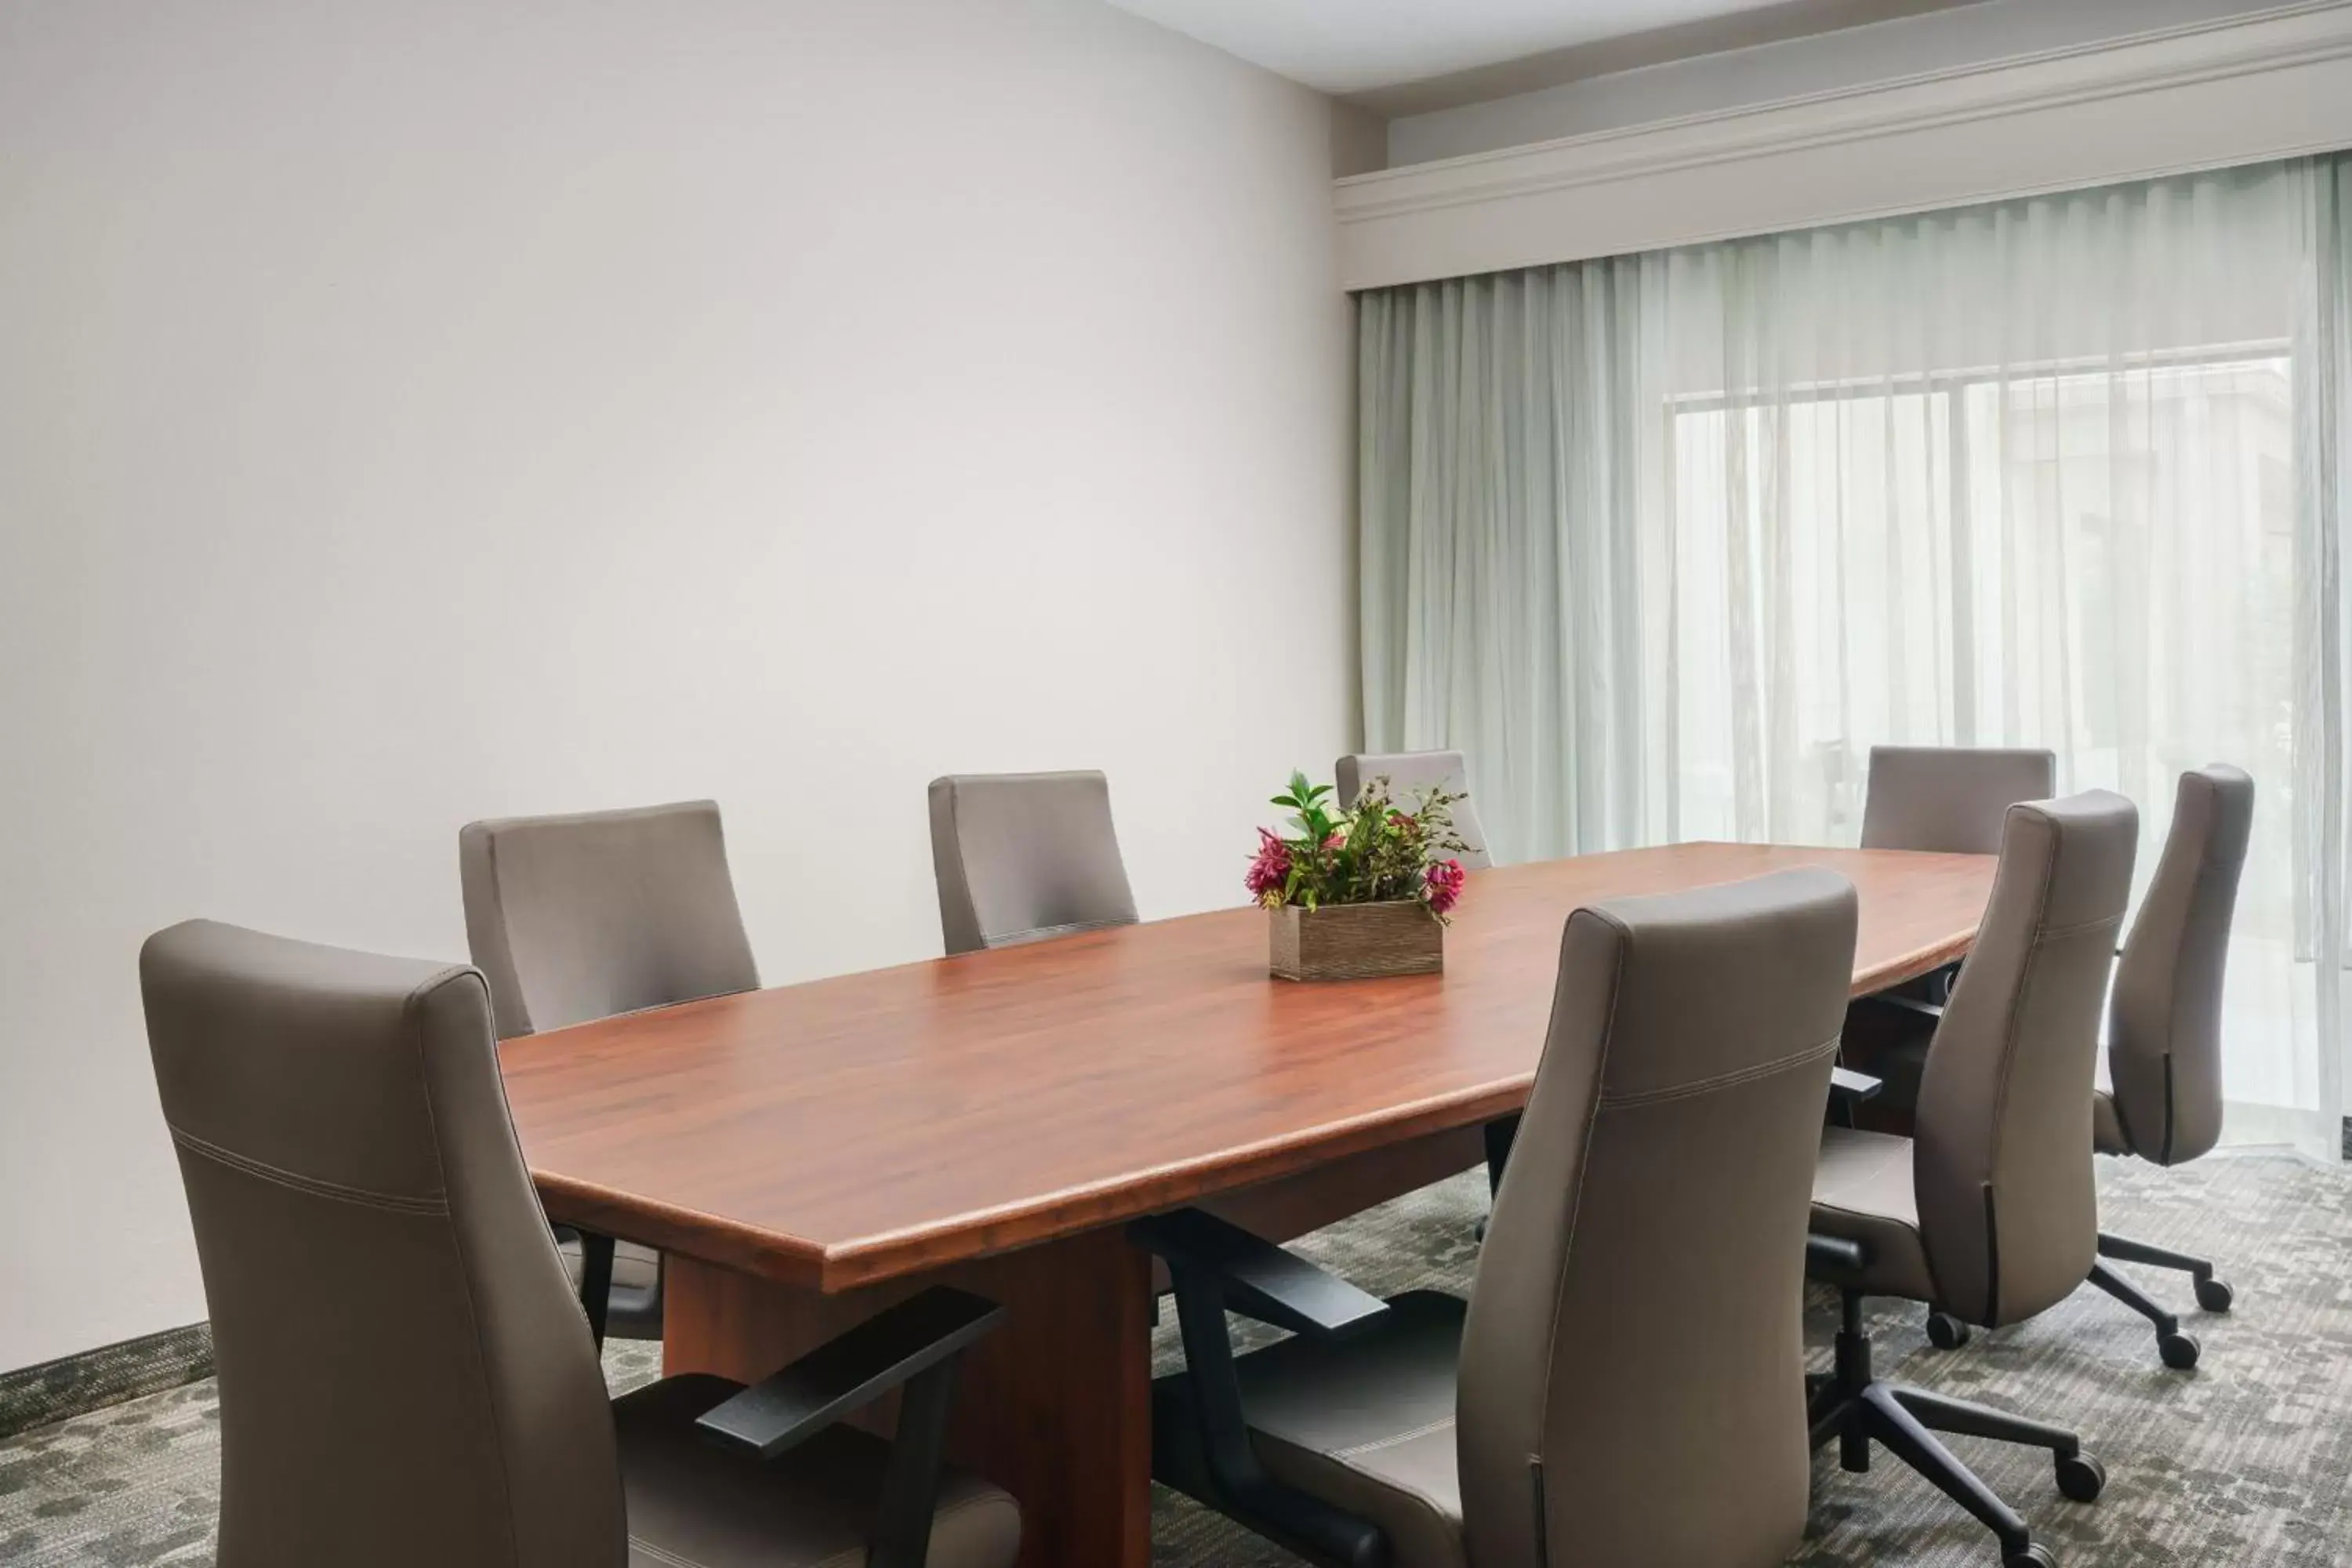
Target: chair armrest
{"x": 1833, "y": 1256}
{"x": 851, "y": 1369}
{"x": 1257, "y": 1277}
{"x": 1853, "y": 1086}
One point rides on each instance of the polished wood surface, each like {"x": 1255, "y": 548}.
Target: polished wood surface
{"x": 835, "y": 1133}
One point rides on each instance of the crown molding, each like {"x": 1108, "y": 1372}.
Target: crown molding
{"x": 2272, "y": 84}
{"x": 1779, "y": 22}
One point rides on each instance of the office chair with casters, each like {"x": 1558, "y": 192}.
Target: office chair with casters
{"x": 1025, "y": 857}
{"x": 581, "y": 917}
{"x": 405, "y": 1377}
{"x": 1635, "y": 1321}
{"x": 2164, "y": 1027}
{"x": 1949, "y": 800}
{"x": 1989, "y": 1211}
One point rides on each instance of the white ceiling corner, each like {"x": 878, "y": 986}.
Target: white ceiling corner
{"x": 1357, "y": 46}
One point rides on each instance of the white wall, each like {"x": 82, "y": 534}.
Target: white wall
{"x": 417, "y": 410}
{"x": 1772, "y": 73}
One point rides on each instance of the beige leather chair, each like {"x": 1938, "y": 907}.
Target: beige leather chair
{"x": 1949, "y": 798}
{"x": 2164, "y": 1027}
{"x": 1408, "y": 772}
{"x": 1025, "y": 857}
{"x": 1634, "y": 1331}
{"x": 1989, "y": 1212}
{"x": 405, "y": 1376}
{"x": 581, "y": 917}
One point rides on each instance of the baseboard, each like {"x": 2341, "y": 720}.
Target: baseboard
{"x": 75, "y": 1385}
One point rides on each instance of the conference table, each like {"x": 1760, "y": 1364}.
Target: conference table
{"x": 807, "y": 1154}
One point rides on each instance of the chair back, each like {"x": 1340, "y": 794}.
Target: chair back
{"x": 1636, "y": 1316}
{"x": 581, "y": 917}
{"x": 1949, "y": 798}
{"x": 2164, "y": 1016}
{"x": 1408, "y": 772}
{"x": 1024, "y": 857}
{"x": 405, "y": 1376}
{"x": 2002, "y": 1154}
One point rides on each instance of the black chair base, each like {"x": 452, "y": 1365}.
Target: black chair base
{"x": 1947, "y": 1332}
{"x": 2174, "y": 1346}
{"x": 1853, "y": 1406}
{"x": 2213, "y": 1295}
{"x": 2176, "y": 1350}
{"x": 2179, "y": 1351}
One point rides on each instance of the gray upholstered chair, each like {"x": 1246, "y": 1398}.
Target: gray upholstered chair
{"x": 1633, "y": 1329}
{"x": 1949, "y": 798}
{"x": 1025, "y": 857}
{"x": 1989, "y": 1212}
{"x": 581, "y": 917}
{"x": 1409, "y": 771}
{"x": 405, "y": 1376}
{"x": 2163, "y": 1102}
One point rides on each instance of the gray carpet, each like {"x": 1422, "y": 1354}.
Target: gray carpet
{"x": 2247, "y": 1460}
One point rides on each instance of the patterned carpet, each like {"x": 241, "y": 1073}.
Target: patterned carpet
{"x": 2247, "y": 1460}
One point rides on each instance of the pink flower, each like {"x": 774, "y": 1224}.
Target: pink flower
{"x": 1270, "y": 871}
{"x": 1444, "y": 879}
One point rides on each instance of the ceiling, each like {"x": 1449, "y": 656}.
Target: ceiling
{"x": 1353, "y": 45}
{"x": 1375, "y": 50}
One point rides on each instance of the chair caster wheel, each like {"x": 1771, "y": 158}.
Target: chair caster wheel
{"x": 2179, "y": 1351}
{"x": 2215, "y": 1295}
{"x": 2081, "y": 1478}
{"x": 2034, "y": 1555}
{"x": 1946, "y": 1332}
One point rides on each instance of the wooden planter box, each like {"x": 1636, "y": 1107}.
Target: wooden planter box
{"x": 1354, "y": 942}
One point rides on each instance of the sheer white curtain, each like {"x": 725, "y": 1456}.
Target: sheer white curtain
{"x": 1665, "y": 544}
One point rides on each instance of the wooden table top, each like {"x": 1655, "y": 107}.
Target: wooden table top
{"x": 849, "y": 1130}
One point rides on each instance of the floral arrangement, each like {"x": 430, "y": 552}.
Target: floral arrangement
{"x": 1372, "y": 852}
